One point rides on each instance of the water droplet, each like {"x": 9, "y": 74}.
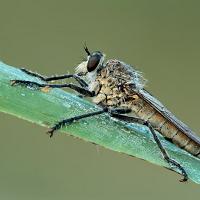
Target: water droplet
{"x": 85, "y": 122}
{"x": 67, "y": 105}
{"x": 104, "y": 122}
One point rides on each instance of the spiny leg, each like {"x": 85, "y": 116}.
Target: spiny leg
{"x": 53, "y": 78}
{"x": 162, "y": 149}
{"x": 68, "y": 121}
{"x": 77, "y": 88}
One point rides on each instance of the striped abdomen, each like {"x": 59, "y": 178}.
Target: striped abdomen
{"x": 145, "y": 111}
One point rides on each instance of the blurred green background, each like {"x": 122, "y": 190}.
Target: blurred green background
{"x": 160, "y": 37}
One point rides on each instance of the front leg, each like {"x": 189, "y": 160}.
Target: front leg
{"x": 81, "y": 90}
{"x": 59, "y": 77}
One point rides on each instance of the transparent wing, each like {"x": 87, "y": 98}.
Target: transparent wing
{"x": 167, "y": 114}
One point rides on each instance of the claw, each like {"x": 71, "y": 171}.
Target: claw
{"x": 183, "y": 172}
{"x": 17, "y": 82}
{"x": 25, "y": 83}
{"x": 13, "y": 82}
{"x": 184, "y": 179}
{"x": 50, "y": 132}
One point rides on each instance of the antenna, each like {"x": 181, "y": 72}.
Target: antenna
{"x": 86, "y": 49}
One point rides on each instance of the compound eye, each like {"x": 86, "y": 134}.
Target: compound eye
{"x": 93, "y": 62}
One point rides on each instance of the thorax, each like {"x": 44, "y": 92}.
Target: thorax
{"x": 114, "y": 86}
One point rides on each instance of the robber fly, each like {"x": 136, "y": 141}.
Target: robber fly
{"x": 119, "y": 90}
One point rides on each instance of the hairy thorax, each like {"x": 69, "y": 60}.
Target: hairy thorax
{"x": 115, "y": 84}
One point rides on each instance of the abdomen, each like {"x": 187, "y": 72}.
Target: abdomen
{"x": 145, "y": 111}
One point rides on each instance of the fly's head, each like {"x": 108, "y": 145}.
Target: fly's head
{"x": 92, "y": 64}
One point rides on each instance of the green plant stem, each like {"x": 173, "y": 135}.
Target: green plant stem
{"x": 47, "y": 108}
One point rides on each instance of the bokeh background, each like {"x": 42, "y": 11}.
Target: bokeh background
{"x": 159, "y": 37}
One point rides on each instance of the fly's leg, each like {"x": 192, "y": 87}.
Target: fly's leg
{"x": 34, "y": 74}
{"x": 53, "y": 78}
{"x": 68, "y": 121}
{"x": 81, "y": 90}
{"x": 162, "y": 149}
